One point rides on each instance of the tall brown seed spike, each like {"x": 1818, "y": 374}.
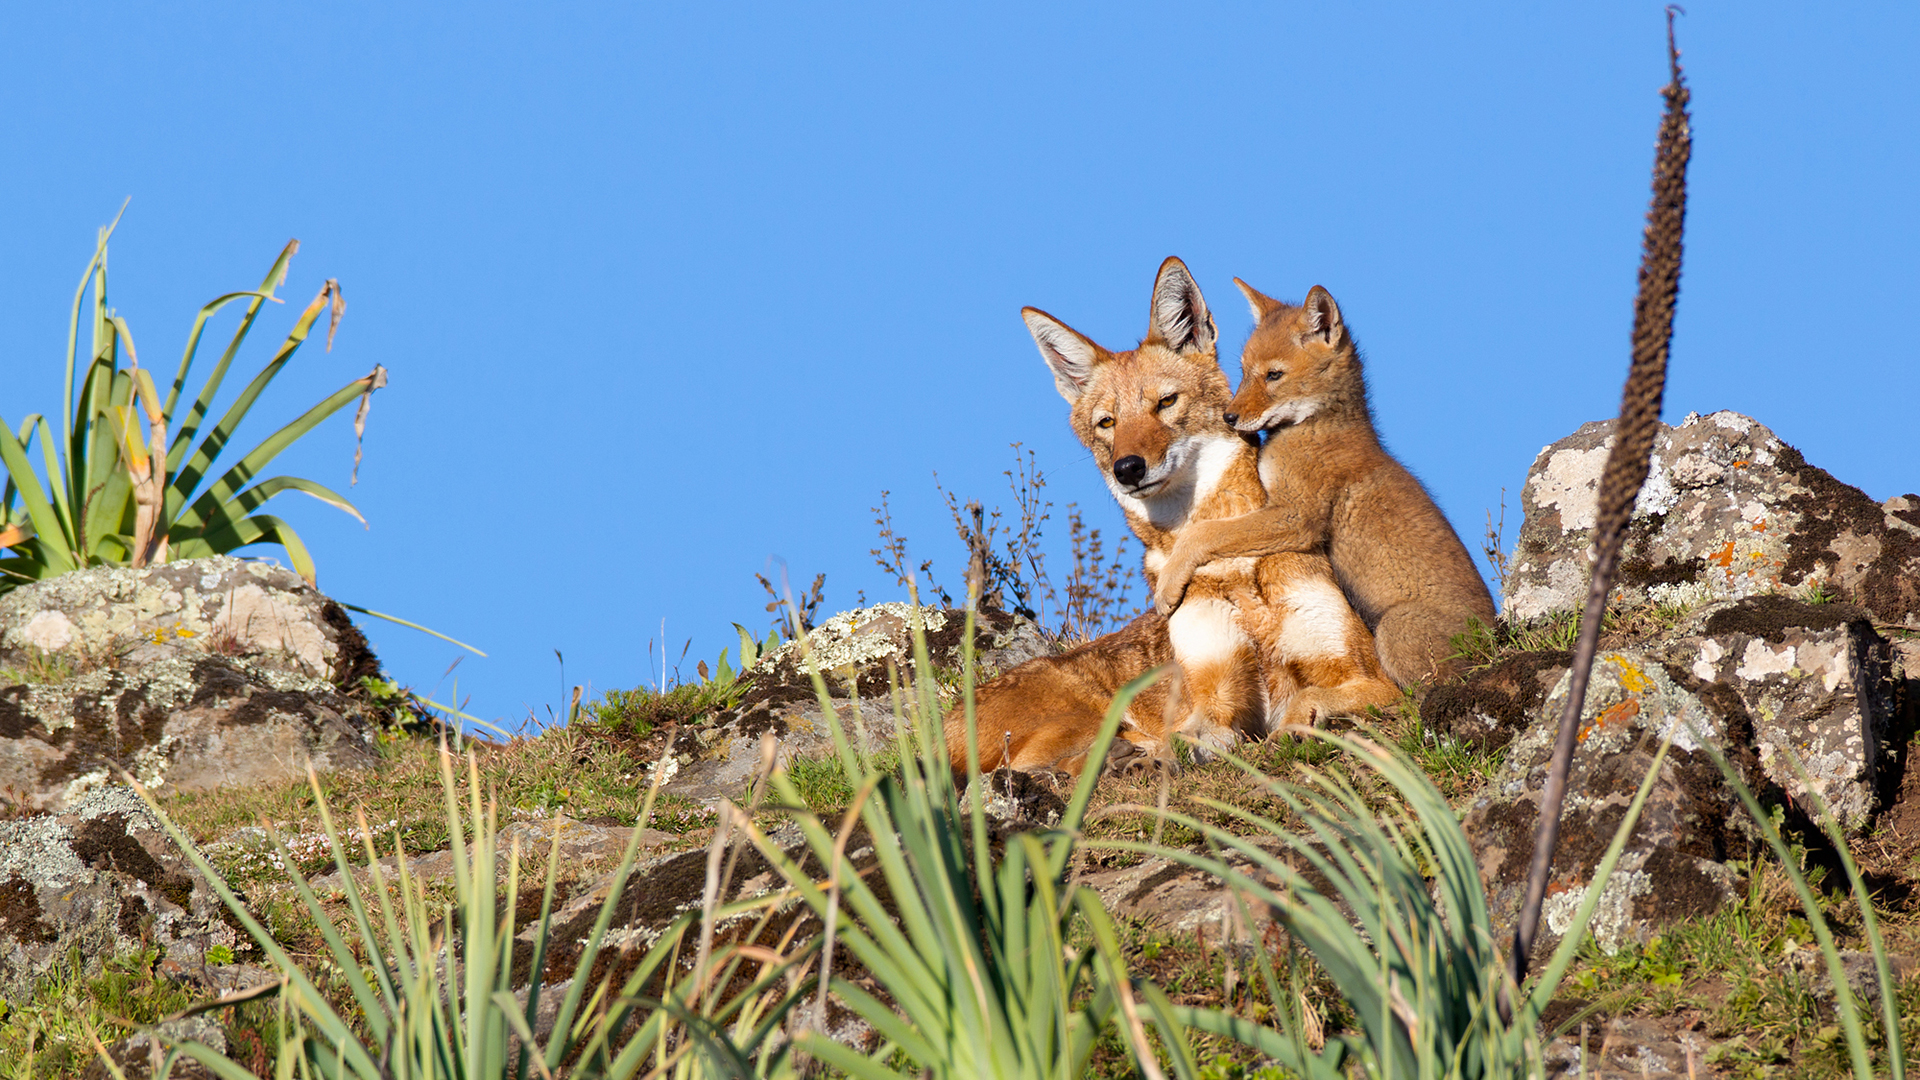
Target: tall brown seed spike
{"x": 1627, "y": 464}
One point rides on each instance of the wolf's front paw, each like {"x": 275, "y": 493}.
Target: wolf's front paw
{"x": 1172, "y": 586}
{"x": 1127, "y": 759}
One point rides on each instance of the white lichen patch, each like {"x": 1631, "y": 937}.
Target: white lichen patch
{"x": 855, "y": 638}
{"x": 84, "y": 783}
{"x": 258, "y": 619}
{"x": 1571, "y": 484}
{"x": 48, "y": 631}
{"x": 1710, "y": 653}
{"x": 1760, "y": 661}
{"x": 1612, "y": 915}
{"x": 1679, "y": 597}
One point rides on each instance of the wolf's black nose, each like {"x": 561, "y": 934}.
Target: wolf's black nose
{"x": 1231, "y": 418}
{"x": 1130, "y": 470}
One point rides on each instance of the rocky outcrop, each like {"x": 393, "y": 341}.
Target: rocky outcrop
{"x": 860, "y": 654}
{"x": 1727, "y": 634}
{"x": 102, "y": 880}
{"x": 219, "y": 606}
{"x": 1728, "y": 511}
{"x": 195, "y": 674}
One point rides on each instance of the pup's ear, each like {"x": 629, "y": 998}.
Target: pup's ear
{"x": 1180, "y": 319}
{"x": 1323, "y": 316}
{"x": 1070, "y": 354}
{"x": 1262, "y": 304}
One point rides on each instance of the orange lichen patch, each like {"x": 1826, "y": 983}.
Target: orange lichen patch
{"x": 1724, "y": 556}
{"x": 1555, "y": 888}
{"x": 1760, "y": 526}
{"x": 1739, "y": 464}
{"x": 1613, "y": 719}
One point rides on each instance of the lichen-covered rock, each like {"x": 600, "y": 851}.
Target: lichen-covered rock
{"x": 1674, "y": 862}
{"x": 137, "y": 1055}
{"x": 186, "y": 721}
{"x": 102, "y": 880}
{"x": 219, "y": 606}
{"x": 196, "y": 674}
{"x": 1809, "y": 681}
{"x": 1728, "y": 511}
{"x": 857, "y": 652}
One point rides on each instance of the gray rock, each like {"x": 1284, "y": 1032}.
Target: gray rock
{"x": 196, "y": 674}
{"x": 1808, "y": 681}
{"x": 1182, "y": 900}
{"x": 1728, "y": 511}
{"x": 1648, "y": 1048}
{"x": 1015, "y": 801}
{"x": 219, "y": 605}
{"x": 1764, "y": 680}
{"x": 138, "y": 1056}
{"x": 584, "y": 849}
{"x": 860, "y": 655}
{"x": 1674, "y": 863}
{"x": 102, "y": 879}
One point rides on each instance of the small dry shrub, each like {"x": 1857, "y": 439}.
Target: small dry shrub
{"x": 1008, "y": 565}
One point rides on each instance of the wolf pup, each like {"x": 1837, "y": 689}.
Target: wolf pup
{"x": 1331, "y": 487}
{"x": 1260, "y": 641}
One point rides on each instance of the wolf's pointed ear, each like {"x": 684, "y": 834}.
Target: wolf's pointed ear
{"x": 1180, "y": 319}
{"x": 1070, "y": 354}
{"x": 1262, "y": 304}
{"x": 1323, "y": 316}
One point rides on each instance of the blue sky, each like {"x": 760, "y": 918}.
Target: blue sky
{"x": 668, "y": 290}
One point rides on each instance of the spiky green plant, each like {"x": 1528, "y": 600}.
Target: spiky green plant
{"x": 973, "y": 952}
{"x": 1388, "y": 901}
{"x": 131, "y": 479}
{"x": 430, "y": 985}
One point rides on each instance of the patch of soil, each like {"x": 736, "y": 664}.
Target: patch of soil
{"x": 1507, "y": 694}
{"x": 1771, "y": 617}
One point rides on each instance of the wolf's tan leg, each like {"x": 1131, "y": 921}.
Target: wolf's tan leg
{"x": 1220, "y": 665}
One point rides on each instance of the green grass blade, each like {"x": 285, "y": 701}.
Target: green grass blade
{"x": 188, "y": 476}
{"x": 256, "y": 496}
{"x": 207, "y": 311}
{"x": 186, "y": 430}
{"x": 95, "y": 266}
{"x": 260, "y": 528}
{"x": 208, "y": 507}
{"x": 1870, "y": 923}
{"x": 49, "y": 535}
{"x": 299, "y": 987}
{"x": 411, "y": 625}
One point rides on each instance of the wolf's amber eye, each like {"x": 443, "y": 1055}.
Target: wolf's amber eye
{"x": 1167, "y": 402}
{"x": 1275, "y": 375}
{"x": 1104, "y": 423}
